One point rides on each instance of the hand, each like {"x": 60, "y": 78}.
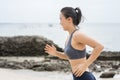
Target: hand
{"x": 79, "y": 69}
{"x": 50, "y": 50}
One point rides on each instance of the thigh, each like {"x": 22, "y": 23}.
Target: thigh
{"x": 86, "y": 76}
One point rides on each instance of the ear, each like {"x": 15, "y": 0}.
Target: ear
{"x": 69, "y": 19}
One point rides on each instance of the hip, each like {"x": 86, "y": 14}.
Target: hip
{"x": 85, "y": 76}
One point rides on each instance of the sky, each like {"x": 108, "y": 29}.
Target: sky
{"x": 48, "y": 11}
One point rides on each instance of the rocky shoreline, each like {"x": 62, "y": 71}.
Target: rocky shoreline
{"x": 23, "y": 46}
{"x": 108, "y": 68}
{"x": 29, "y": 46}
{"x": 44, "y": 65}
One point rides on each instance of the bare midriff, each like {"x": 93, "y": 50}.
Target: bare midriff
{"x": 75, "y": 62}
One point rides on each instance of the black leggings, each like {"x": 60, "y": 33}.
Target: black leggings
{"x": 85, "y": 76}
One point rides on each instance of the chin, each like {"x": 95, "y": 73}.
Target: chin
{"x": 64, "y": 29}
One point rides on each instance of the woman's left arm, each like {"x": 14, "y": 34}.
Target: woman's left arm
{"x": 97, "y": 49}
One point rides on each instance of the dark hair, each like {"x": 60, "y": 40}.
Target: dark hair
{"x": 75, "y": 14}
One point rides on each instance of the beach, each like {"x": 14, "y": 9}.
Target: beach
{"x": 26, "y": 26}
{"x": 47, "y": 31}
{"x": 9, "y": 74}
{"x": 51, "y": 32}
{"x": 29, "y": 74}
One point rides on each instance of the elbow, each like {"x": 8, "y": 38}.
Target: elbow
{"x": 101, "y": 47}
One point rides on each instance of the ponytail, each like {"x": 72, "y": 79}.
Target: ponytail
{"x": 79, "y": 15}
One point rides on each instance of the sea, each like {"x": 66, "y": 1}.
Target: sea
{"x": 107, "y": 34}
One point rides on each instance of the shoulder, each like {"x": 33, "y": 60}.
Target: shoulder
{"x": 81, "y": 37}
{"x": 79, "y": 34}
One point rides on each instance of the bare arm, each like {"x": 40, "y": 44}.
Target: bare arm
{"x": 97, "y": 47}
{"x": 61, "y": 55}
{"x": 52, "y": 51}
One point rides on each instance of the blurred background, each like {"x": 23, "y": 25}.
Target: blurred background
{"x": 41, "y": 18}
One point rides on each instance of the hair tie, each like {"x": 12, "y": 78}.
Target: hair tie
{"x": 76, "y": 10}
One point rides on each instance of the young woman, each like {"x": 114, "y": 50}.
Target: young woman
{"x": 75, "y": 47}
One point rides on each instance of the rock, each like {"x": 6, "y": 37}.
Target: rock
{"x": 24, "y": 46}
{"x": 26, "y": 64}
{"x": 38, "y": 69}
{"x": 115, "y": 66}
{"x": 104, "y": 66}
{"x": 108, "y": 55}
{"x": 107, "y": 75}
{"x": 45, "y": 65}
{"x": 2, "y": 62}
{"x": 99, "y": 70}
{"x": 52, "y": 66}
{"x": 18, "y": 66}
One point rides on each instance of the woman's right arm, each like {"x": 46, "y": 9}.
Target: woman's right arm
{"x": 61, "y": 55}
{"x": 52, "y": 51}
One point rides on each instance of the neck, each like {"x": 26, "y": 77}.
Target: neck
{"x": 71, "y": 29}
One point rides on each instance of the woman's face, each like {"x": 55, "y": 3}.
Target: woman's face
{"x": 64, "y": 22}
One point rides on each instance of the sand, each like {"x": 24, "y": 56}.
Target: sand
{"x": 9, "y": 74}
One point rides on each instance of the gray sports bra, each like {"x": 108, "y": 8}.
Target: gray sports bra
{"x": 74, "y": 53}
